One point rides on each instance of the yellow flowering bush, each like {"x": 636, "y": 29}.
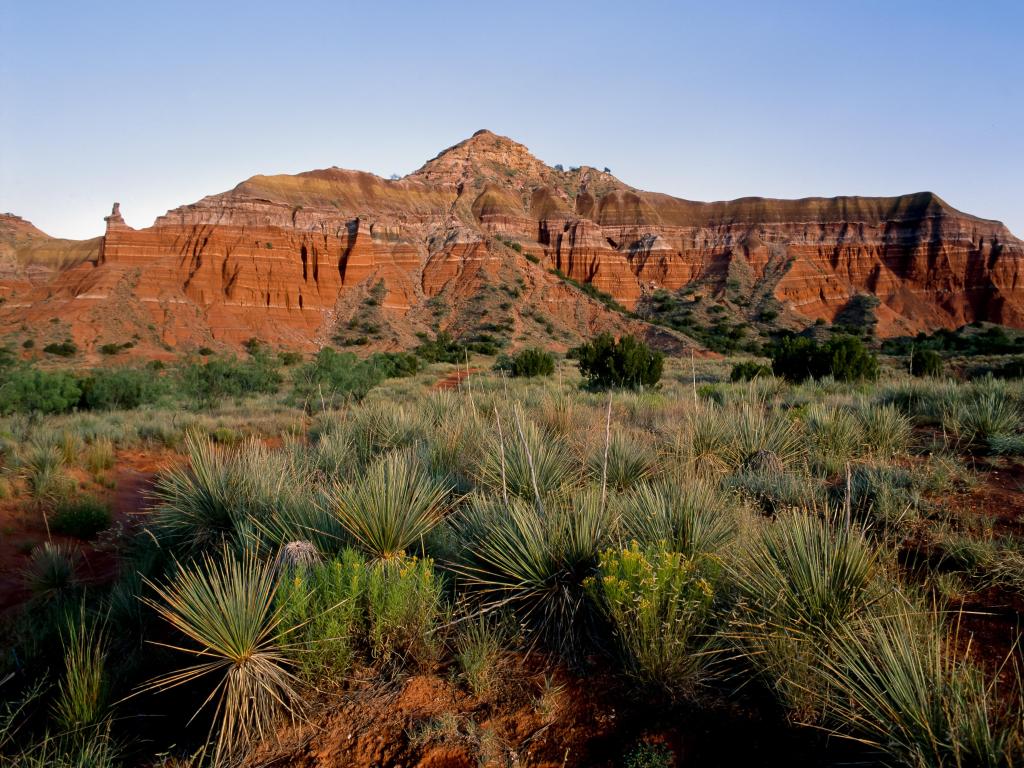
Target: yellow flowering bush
{"x": 658, "y": 604}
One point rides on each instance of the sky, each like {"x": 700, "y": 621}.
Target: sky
{"x": 157, "y": 104}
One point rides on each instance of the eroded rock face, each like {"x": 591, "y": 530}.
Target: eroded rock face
{"x": 289, "y": 258}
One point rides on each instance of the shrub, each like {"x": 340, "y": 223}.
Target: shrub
{"x": 443, "y": 349}
{"x": 605, "y": 362}
{"x": 61, "y": 349}
{"x": 209, "y": 382}
{"x": 226, "y": 607}
{"x": 749, "y": 370}
{"x": 404, "y": 608}
{"x": 844, "y": 358}
{"x": 111, "y": 388}
{"x": 395, "y": 364}
{"x": 323, "y": 615}
{"x": 81, "y": 518}
{"x": 528, "y": 363}
{"x": 333, "y": 378}
{"x": 926, "y": 362}
{"x": 659, "y": 607}
{"x": 650, "y": 755}
{"x": 29, "y": 390}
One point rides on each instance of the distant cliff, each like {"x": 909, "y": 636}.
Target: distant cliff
{"x": 468, "y": 243}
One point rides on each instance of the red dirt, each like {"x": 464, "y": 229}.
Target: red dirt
{"x": 25, "y": 528}
{"x": 454, "y": 379}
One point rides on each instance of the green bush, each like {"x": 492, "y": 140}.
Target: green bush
{"x": 659, "y": 606}
{"x": 82, "y": 518}
{"x": 29, "y": 390}
{"x": 528, "y": 363}
{"x": 748, "y": 370}
{"x": 208, "y": 383}
{"x": 605, "y": 362}
{"x": 337, "y": 377}
{"x": 926, "y": 362}
{"x": 395, "y": 365}
{"x": 107, "y": 389}
{"x": 62, "y": 349}
{"x": 844, "y": 358}
{"x": 443, "y": 349}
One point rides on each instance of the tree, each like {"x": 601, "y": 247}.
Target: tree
{"x": 845, "y": 358}
{"x": 628, "y": 362}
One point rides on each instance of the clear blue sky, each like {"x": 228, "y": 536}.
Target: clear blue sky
{"x": 156, "y": 104}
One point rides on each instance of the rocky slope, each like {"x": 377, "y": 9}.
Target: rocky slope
{"x": 467, "y": 244}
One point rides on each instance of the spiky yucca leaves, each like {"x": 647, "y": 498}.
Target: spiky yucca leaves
{"x": 659, "y": 606}
{"x": 226, "y": 607}
{"x": 393, "y": 506}
{"x": 757, "y": 427}
{"x": 629, "y": 461}
{"x": 381, "y": 427}
{"x": 835, "y": 436}
{"x": 688, "y": 515}
{"x": 534, "y": 560}
{"x": 800, "y": 580}
{"x": 52, "y": 570}
{"x": 887, "y": 430}
{"x": 969, "y": 419}
{"x": 517, "y": 458}
{"x": 244, "y": 495}
{"x": 898, "y": 682}
{"x": 81, "y": 696}
{"x": 702, "y": 442}
{"x": 43, "y": 468}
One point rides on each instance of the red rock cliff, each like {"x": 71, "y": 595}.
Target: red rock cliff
{"x": 290, "y": 259}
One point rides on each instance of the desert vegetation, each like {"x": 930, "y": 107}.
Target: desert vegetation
{"x": 820, "y": 551}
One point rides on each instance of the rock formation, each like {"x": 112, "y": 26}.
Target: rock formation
{"x": 467, "y": 243}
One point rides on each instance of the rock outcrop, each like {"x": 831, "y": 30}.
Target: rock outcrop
{"x": 468, "y": 243}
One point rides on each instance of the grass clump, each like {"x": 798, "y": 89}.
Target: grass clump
{"x": 83, "y": 517}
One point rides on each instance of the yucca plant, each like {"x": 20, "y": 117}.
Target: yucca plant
{"x": 525, "y": 461}
{"x": 380, "y": 427}
{"x": 392, "y": 507}
{"x": 82, "y": 692}
{"x": 226, "y": 608}
{"x": 534, "y": 560}
{"x": 835, "y": 436}
{"x": 52, "y": 570}
{"x": 626, "y": 462}
{"x": 756, "y": 427}
{"x": 688, "y": 515}
{"x": 900, "y": 684}
{"x": 887, "y": 430}
{"x": 969, "y": 420}
{"x": 800, "y": 580}
{"x": 224, "y": 495}
{"x": 43, "y": 468}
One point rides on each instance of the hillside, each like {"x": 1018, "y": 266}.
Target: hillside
{"x": 468, "y": 244}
